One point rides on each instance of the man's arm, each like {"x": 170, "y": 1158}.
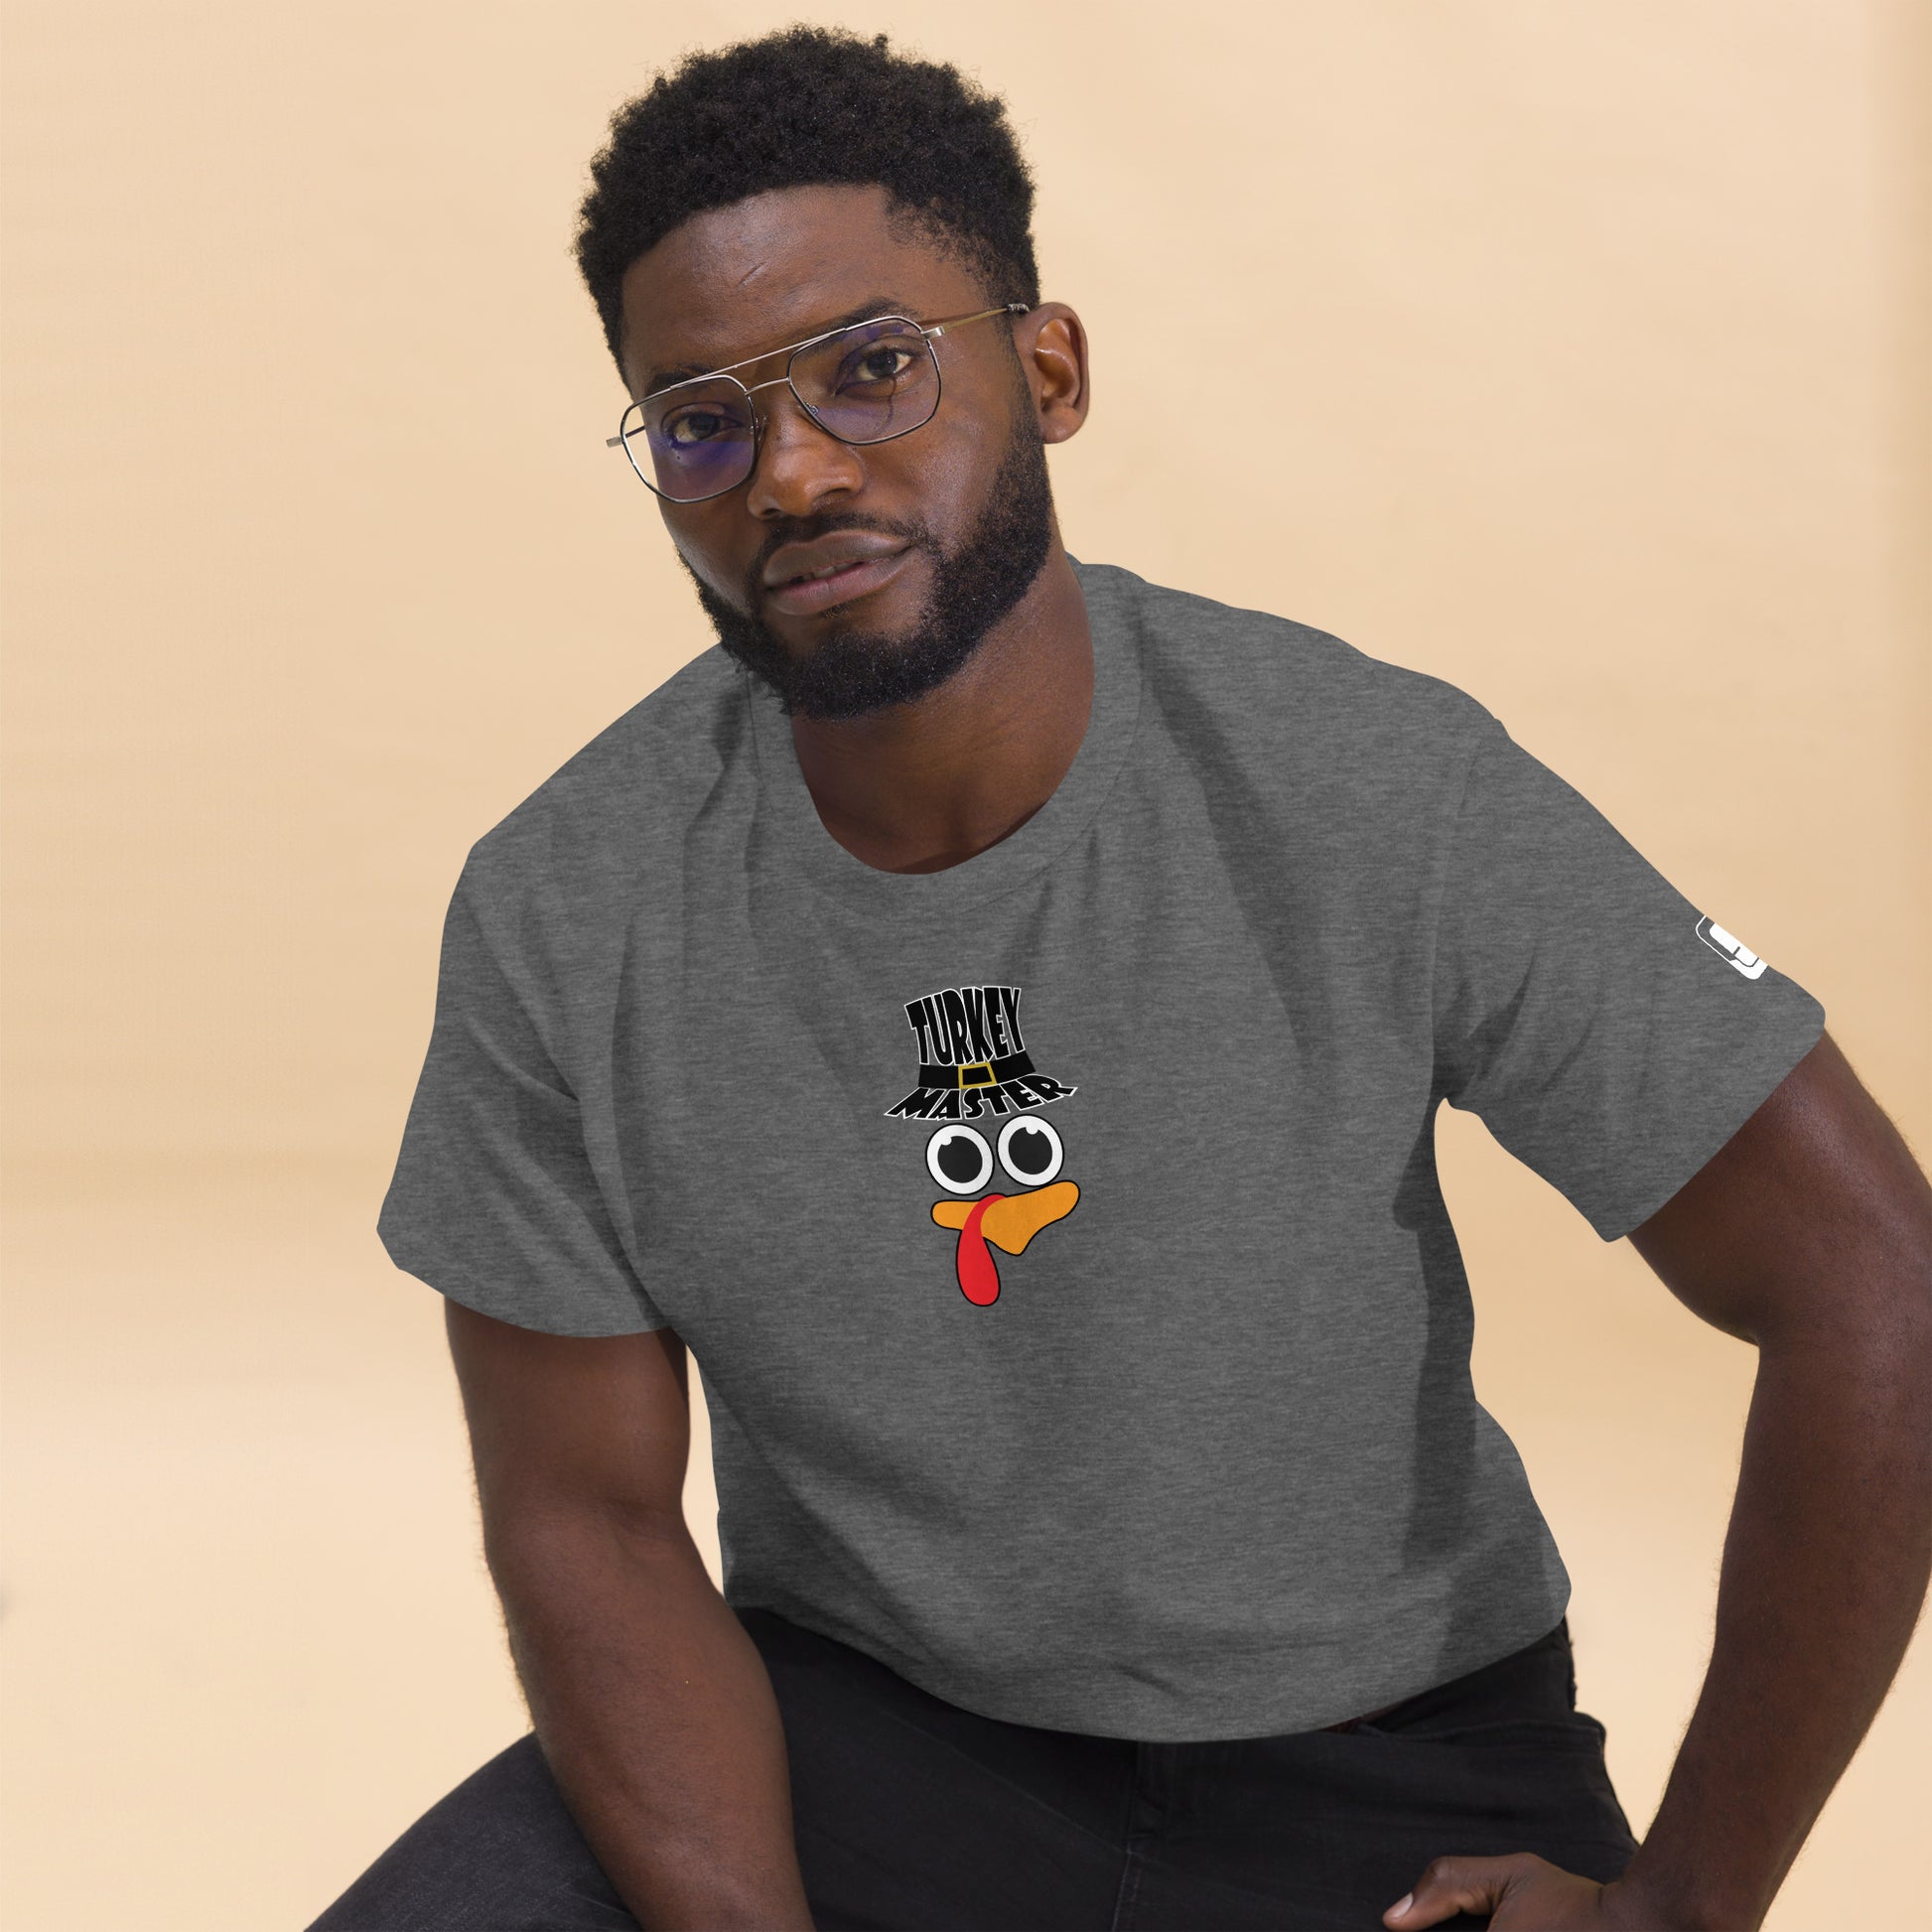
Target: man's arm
{"x": 1810, "y": 1235}
{"x": 651, "y": 1706}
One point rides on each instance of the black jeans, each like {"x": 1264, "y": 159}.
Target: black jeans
{"x": 911, "y": 1812}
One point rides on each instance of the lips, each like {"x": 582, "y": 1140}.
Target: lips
{"x": 1009, "y": 1221}
{"x": 802, "y": 579}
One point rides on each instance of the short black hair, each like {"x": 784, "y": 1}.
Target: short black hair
{"x": 796, "y": 108}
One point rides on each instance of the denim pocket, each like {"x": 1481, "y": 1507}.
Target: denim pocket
{"x": 1549, "y": 1768}
{"x": 1577, "y": 1733}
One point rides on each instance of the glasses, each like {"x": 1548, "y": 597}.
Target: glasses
{"x": 868, "y": 382}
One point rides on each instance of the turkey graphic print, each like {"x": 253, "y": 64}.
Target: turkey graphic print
{"x": 978, "y": 1080}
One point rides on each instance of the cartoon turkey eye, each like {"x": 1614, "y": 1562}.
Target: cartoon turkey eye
{"x": 960, "y": 1159}
{"x": 1029, "y": 1151}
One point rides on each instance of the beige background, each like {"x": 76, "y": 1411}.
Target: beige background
{"x": 1590, "y": 343}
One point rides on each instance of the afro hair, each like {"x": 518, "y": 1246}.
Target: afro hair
{"x": 801, "y": 107}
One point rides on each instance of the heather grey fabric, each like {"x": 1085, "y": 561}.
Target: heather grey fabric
{"x": 1176, "y": 1440}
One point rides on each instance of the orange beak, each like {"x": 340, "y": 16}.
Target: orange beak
{"x": 1009, "y": 1221}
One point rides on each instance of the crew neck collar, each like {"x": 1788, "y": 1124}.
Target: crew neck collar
{"x": 801, "y": 844}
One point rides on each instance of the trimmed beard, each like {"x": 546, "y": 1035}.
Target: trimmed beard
{"x": 851, "y": 672}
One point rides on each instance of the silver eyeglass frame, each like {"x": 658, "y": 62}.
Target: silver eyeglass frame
{"x": 792, "y": 351}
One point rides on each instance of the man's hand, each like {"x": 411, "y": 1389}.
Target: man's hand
{"x": 1524, "y": 1893}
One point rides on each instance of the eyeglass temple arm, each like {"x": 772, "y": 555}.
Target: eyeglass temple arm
{"x": 961, "y": 322}
{"x": 937, "y": 328}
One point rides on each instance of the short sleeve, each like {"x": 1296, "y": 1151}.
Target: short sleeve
{"x": 494, "y": 1201}
{"x": 1607, "y": 1032}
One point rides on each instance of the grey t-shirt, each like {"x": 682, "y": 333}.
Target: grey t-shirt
{"x": 1059, "y": 1234}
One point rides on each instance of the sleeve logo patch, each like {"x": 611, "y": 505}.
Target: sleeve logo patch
{"x": 1730, "y": 949}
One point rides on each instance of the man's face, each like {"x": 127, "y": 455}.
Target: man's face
{"x": 936, "y": 534}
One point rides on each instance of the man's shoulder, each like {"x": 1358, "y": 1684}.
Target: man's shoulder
{"x": 610, "y": 802}
{"x": 1252, "y": 677}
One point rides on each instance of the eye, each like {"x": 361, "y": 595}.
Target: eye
{"x": 881, "y": 362}
{"x": 700, "y": 420}
{"x": 696, "y": 426}
{"x": 1029, "y": 1149}
{"x": 960, "y": 1159}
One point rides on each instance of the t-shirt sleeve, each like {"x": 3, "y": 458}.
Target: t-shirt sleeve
{"x": 1606, "y": 1032}
{"x": 494, "y": 1201}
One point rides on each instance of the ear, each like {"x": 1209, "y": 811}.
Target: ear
{"x": 1052, "y": 347}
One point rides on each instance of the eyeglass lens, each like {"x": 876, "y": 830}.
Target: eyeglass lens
{"x": 865, "y": 384}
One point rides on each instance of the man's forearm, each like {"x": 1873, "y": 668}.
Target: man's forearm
{"x": 1824, "y": 1568}
{"x": 655, "y": 1714}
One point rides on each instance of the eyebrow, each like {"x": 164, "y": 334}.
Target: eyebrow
{"x": 883, "y": 305}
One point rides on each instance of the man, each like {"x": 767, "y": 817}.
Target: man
{"x": 993, "y": 1010}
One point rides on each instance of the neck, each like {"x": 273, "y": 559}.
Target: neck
{"x": 920, "y": 786}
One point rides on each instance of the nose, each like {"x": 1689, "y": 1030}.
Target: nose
{"x": 800, "y": 469}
